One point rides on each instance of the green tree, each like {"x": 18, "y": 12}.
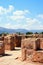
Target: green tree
{"x": 41, "y": 33}
{"x": 36, "y": 32}
{"x": 18, "y": 33}
{"x": 4, "y": 33}
{"x": 0, "y": 34}
{"x": 29, "y": 33}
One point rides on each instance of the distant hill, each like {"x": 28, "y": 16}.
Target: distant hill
{"x": 17, "y": 30}
{"x": 36, "y": 31}
{"x": 12, "y": 30}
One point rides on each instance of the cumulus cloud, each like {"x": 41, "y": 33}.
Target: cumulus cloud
{"x": 40, "y": 16}
{"x": 31, "y": 21}
{"x": 19, "y": 14}
{"x": 4, "y": 11}
{"x": 17, "y": 17}
{"x": 8, "y": 25}
{"x": 12, "y": 18}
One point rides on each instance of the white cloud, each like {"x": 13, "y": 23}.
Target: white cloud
{"x": 8, "y": 25}
{"x": 32, "y": 24}
{"x": 11, "y": 26}
{"x": 6, "y": 10}
{"x": 31, "y": 21}
{"x": 16, "y": 18}
{"x": 2, "y": 10}
{"x": 11, "y": 8}
{"x": 21, "y": 12}
{"x": 19, "y": 19}
{"x": 40, "y": 16}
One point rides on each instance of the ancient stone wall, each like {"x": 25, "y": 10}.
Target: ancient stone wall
{"x": 37, "y": 56}
{"x": 1, "y": 38}
{"x": 41, "y": 43}
{"x": 9, "y": 42}
{"x": 17, "y": 40}
{"x": 28, "y": 46}
{"x": 2, "y": 48}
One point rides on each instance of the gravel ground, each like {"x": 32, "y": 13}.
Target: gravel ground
{"x": 12, "y": 58}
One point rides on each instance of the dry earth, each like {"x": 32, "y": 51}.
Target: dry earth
{"x": 13, "y": 58}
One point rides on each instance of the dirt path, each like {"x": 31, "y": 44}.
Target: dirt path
{"x": 11, "y": 58}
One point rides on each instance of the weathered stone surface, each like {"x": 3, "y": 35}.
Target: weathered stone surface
{"x": 30, "y": 45}
{"x": 17, "y": 40}
{"x": 37, "y": 35}
{"x": 1, "y": 38}
{"x": 24, "y": 54}
{"x": 2, "y": 48}
{"x": 40, "y": 35}
{"x": 41, "y": 43}
{"x": 9, "y": 42}
{"x": 37, "y": 56}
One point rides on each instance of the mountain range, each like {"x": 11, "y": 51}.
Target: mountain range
{"x": 18, "y": 30}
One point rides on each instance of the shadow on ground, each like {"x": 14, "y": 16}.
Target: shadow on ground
{"x": 6, "y": 55}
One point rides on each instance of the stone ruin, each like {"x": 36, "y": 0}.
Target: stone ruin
{"x": 37, "y": 35}
{"x": 9, "y": 42}
{"x": 32, "y": 48}
{"x": 41, "y": 43}
{"x": 37, "y": 56}
{"x": 1, "y": 38}
{"x": 2, "y": 48}
{"x": 34, "y": 36}
{"x": 17, "y": 40}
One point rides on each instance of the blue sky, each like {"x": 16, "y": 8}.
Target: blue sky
{"x": 23, "y": 14}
